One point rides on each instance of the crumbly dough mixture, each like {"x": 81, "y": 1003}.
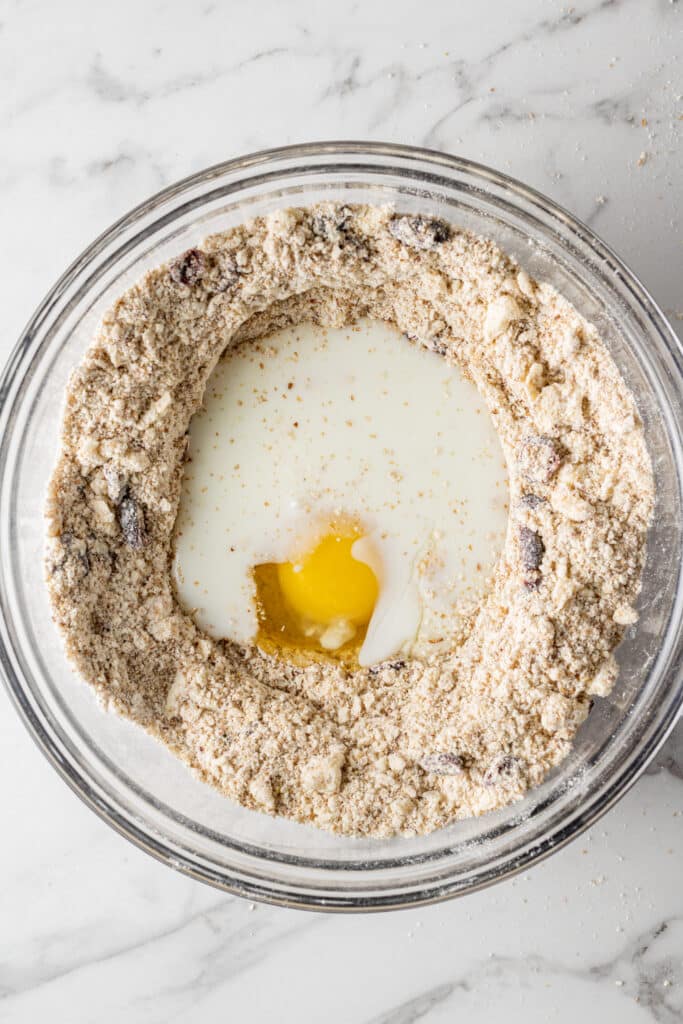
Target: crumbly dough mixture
{"x": 405, "y": 746}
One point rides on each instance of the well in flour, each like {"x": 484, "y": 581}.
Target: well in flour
{"x": 412, "y": 743}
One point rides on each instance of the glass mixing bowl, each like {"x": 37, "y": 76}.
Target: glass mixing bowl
{"x": 133, "y": 782}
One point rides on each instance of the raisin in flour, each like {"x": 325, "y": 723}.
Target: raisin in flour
{"x": 408, "y": 745}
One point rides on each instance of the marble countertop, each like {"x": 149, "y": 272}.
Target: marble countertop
{"x": 101, "y": 105}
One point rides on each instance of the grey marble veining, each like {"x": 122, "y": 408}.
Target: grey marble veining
{"x": 101, "y": 105}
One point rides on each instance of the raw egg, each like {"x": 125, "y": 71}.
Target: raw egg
{"x": 329, "y": 583}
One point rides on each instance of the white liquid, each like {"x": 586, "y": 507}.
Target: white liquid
{"x": 312, "y": 423}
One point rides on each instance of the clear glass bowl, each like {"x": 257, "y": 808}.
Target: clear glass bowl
{"x": 133, "y": 782}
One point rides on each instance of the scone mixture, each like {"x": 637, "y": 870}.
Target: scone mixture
{"x": 408, "y": 745}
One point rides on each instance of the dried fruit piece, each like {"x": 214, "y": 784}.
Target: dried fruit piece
{"x": 322, "y": 226}
{"x": 531, "y": 548}
{"x": 419, "y": 232}
{"x": 442, "y": 764}
{"x": 441, "y": 348}
{"x": 190, "y": 268}
{"x": 531, "y": 551}
{"x": 394, "y": 666}
{"x": 132, "y": 522}
{"x": 337, "y": 228}
{"x": 539, "y": 458}
{"x": 531, "y": 501}
{"x": 505, "y": 770}
{"x": 327, "y": 225}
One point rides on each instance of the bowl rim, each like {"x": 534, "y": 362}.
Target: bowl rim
{"x": 77, "y": 781}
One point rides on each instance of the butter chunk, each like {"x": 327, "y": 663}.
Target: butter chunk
{"x": 502, "y": 312}
{"x": 323, "y": 774}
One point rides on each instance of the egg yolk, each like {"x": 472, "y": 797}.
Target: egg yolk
{"x": 328, "y": 584}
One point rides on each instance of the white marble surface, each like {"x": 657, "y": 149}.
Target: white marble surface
{"x": 101, "y": 105}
